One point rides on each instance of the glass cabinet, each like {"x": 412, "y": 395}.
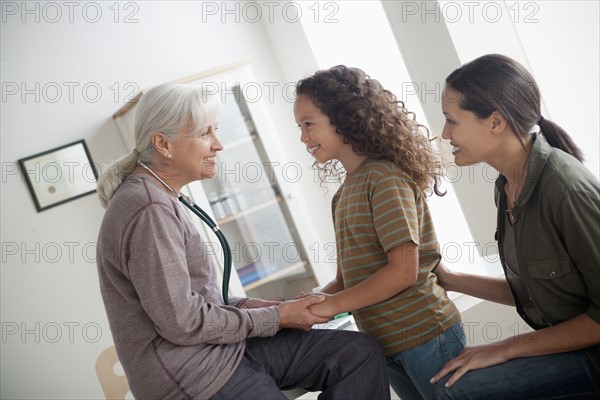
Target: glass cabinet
{"x": 252, "y": 211}
{"x": 257, "y": 210}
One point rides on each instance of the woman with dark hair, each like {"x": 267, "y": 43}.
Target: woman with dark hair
{"x": 547, "y": 230}
{"x": 387, "y": 248}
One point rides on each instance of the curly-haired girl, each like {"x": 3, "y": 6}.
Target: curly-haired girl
{"x": 387, "y": 248}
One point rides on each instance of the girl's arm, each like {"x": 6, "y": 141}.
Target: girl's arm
{"x": 398, "y": 274}
{"x": 577, "y": 333}
{"x": 494, "y": 289}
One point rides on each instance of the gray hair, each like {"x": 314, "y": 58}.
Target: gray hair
{"x": 168, "y": 109}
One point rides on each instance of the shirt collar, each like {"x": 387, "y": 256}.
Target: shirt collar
{"x": 540, "y": 151}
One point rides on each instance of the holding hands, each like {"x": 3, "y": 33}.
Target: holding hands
{"x": 323, "y": 309}
{"x": 301, "y": 313}
{"x": 296, "y": 313}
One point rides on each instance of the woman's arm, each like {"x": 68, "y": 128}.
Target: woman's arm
{"x": 159, "y": 271}
{"x": 577, "y": 333}
{"x": 292, "y": 314}
{"x": 576, "y": 216}
{"x": 252, "y": 302}
{"x": 399, "y": 273}
{"x": 494, "y": 289}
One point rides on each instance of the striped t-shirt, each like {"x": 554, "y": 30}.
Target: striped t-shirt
{"x": 377, "y": 208}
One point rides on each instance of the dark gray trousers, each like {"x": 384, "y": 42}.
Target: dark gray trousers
{"x": 340, "y": 364}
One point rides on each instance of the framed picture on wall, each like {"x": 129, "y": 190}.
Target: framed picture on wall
{"x": 60, "y": 175}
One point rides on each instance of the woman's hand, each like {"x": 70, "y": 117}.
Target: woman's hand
{"x": 295, "y": 313}
{"x": 325, "y": 309}
{"x": 258, "y": 303}
{"x": 484, "y": 287}
{"x": 577, "y": 333}
{"x": 472, "y": 358}
{"x": 444, "y": 275}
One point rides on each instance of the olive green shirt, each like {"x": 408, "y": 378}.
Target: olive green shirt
{"x": 557, "y": 238}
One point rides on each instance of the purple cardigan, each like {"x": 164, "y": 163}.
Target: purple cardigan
{"x": 174, "y": 336}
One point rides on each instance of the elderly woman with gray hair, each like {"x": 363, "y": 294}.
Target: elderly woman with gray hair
{"x": 175, "y": 336}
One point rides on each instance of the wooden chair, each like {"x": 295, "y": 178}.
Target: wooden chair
{"x": 115, "y": 386}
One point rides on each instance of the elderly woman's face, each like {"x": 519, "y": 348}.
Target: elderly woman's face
{"x": 194, "y": 153}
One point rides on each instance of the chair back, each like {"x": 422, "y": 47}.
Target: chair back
{"x": 115, "y": 386}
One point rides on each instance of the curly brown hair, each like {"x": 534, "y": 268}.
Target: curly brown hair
{"x": 374, "y": 122}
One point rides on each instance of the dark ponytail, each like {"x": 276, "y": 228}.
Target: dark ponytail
{"x": 557, "y": 137}
{"x": 498, "y": 83}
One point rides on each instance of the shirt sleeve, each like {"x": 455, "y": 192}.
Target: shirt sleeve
{"x": 579, "y": 215}
{"x": 394, "y": 212}
{"x": 160, "y": 275}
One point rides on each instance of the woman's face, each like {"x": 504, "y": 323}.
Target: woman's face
{"x": 194, "y": 153}
{"x": 470, "y": 136}
{"x": 317, "y": 132}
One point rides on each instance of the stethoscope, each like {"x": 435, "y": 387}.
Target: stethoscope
{"x": 212, "y": 224}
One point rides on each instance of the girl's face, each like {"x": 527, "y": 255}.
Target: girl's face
{"x": 318, "y": 134}
{"x": 194, "y": 153}
{"x": 470, "y": 136}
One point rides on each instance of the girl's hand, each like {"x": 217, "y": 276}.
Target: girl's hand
{"x": 472, "y": 358}
{"x": 258, "y": 303}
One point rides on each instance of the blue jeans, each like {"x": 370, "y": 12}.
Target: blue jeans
{"x": 410, "y": 370}
{"x": 556, "y": 376}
